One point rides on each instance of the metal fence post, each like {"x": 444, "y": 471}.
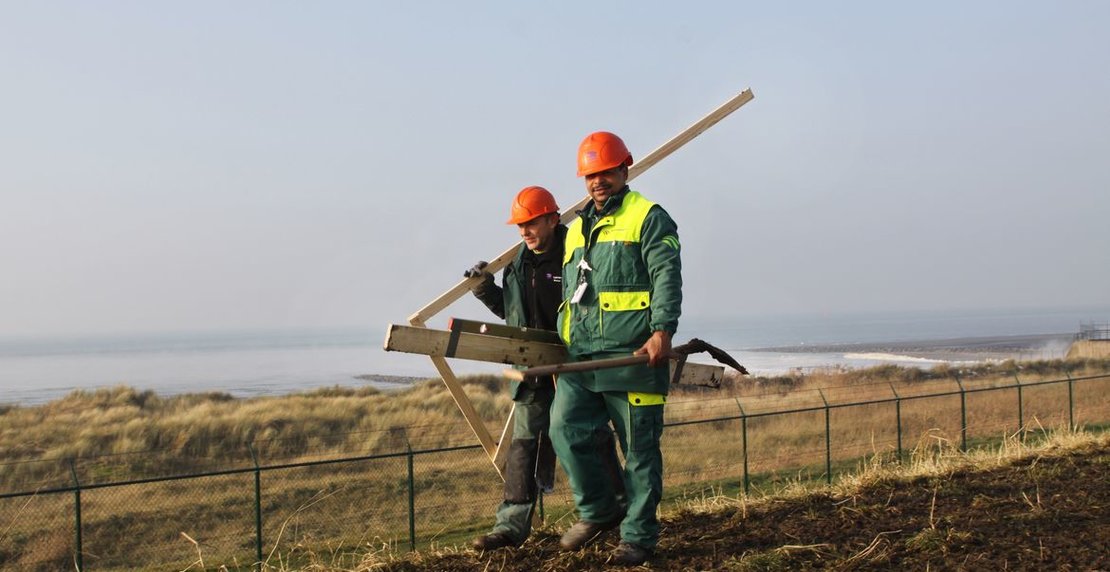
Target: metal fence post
{"x": 412, "y": 498}
{"x": 1071, "y": 403}
{"x": 963, "y": 413}
{"x": 79, "y": 550}
{"x": 828, "y": 440}
{"x": 257, "y": 506}
{"x": 1021, "y": 414}
{"x": 744, "y": 434}
{"x": 897, "y": 418}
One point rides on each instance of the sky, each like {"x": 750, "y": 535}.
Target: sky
{"x": 206, "y": 165}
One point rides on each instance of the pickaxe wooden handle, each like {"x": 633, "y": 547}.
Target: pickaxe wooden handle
{"x": 692, "y": 347}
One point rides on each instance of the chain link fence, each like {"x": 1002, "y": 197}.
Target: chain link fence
{"x": 426, "y": 487}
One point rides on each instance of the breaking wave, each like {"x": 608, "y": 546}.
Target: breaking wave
{"x": 879, "y": 356}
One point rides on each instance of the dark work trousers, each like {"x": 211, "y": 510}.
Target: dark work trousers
{"x": 531, "y": 462}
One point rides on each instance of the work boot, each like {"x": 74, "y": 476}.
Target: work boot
{"x": 582, "y": 533}
{"x": 493, "y": 541}
{"x": 629, "y": 554}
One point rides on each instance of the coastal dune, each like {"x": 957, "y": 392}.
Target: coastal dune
{"x": 1089, "y": 349}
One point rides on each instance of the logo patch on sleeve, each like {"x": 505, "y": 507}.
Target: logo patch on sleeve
{"x": 671, "y": 241}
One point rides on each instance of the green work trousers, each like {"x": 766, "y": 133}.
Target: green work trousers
{"x": 576, "y": 414}
{"x": 530, "y": 460}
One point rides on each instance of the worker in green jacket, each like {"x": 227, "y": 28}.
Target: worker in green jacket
{"x": 622, "y": 294}
{"x": 529, "y": 296}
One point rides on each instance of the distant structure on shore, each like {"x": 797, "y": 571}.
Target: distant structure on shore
{"x": 1092, "y": 341}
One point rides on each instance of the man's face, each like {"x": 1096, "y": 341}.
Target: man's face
{"x": 538, "y": 232}
{"x": 605, "y": 184}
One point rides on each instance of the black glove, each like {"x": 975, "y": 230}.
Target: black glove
{"x": 477, "y": 270}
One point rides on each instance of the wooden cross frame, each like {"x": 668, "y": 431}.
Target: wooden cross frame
{"x": 439, "y": 345}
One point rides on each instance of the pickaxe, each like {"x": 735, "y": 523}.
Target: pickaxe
{"x": 692, "y": 347}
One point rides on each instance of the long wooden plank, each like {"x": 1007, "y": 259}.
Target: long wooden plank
{"x": 690, "y": 133}
{"x": 687, "y": 135}
{"x": 502, "y": 260}
{"x": 478, "y": 347}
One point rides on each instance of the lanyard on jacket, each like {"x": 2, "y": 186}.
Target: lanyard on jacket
{"x": 589, "y": 238}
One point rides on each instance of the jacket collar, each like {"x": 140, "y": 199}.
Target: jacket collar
{"x": 611, "y": 205}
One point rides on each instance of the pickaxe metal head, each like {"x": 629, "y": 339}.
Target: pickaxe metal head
{"x": 695, "y": 346}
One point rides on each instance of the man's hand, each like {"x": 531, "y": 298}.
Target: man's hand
{"x": 657, "y": 348}
{"x": 479, "y": 271}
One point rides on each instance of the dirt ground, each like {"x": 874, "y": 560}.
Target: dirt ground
{"x": 1043, "y": 513}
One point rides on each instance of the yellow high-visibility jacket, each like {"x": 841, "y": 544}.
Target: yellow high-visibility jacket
{"x": 628, "y": 255}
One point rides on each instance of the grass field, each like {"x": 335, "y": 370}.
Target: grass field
{"x": 345, "y": 509}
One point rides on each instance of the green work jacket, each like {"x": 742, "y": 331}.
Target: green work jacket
{"x": 627, "y": 255}
{"x": 510, "y": 300}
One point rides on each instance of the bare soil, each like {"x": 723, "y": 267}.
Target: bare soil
{"x": 1050, "y": 512}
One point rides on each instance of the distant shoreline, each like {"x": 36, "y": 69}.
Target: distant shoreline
{"x": 246, "y": 367}
{"x": 394, "y": 379}
{"x": 967, "y": 348}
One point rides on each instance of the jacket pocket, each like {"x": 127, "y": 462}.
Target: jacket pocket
{"x": 623, "y": 317}
{"x": 623, "y": 301}
{"x": 645, "y": 426}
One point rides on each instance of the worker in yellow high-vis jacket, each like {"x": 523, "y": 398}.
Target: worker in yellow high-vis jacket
{"x": 529, "y": 296}
{"x": 622, "y": 294}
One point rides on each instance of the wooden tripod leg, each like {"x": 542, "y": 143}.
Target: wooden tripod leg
{"x": 502, "y": 455}
{"x": 468, "y": 411}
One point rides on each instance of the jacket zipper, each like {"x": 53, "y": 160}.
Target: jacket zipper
{"x": 590, "y": 242}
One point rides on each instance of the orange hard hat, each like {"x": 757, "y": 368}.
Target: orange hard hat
{"x": 601, "y": 151}
{"x": 530, "y": 203}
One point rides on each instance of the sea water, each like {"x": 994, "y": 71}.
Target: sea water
{"x": 245, "y": 364}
